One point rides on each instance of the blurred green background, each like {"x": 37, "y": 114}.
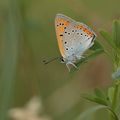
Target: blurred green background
{"x": 27, "y": 37}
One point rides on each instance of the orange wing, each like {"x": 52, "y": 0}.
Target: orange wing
{"x": 60, "y": 26}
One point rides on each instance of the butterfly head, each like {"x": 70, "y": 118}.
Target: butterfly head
{"x": 62, "y": 60}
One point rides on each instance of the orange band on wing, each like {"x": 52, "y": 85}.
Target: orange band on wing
{"x": 88, "y": 32}
{"x": 60, "y": 44}
{"x": 61, "y": 25}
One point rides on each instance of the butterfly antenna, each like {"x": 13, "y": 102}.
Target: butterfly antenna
{"x": 51, "y": 60}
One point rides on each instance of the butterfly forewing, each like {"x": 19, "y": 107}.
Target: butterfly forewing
{"x": 62, "y": 23}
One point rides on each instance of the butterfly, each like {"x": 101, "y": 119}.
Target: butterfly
{"x": 74, "y": 38}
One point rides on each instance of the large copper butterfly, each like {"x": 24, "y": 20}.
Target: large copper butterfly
{"x": 74, "y": 38}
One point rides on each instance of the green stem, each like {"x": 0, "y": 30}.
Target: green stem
{"x": 115, "y": 96}
{"x": 113, "y": 114}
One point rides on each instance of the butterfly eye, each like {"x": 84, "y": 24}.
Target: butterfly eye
{"x": 62, "y": 60}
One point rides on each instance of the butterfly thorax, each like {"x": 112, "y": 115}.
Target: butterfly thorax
{"x": 70, "y": 60}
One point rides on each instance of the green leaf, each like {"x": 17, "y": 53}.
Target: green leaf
{"x": 107, "y": 37}
{"x": 96, "y": 45}
{"x": 97, "y": 52}
{"x": 96, "y": 100}
{"x": 116, "y": 33}
{"x": 102, "y": 95}
{"x": 102, "y": 102}
{"x": 99, "y": 93}
{"x": 86, "y": 114}
{"x": 92, "y": 56}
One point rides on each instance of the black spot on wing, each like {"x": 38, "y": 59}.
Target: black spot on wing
{"x": 66, "y": 48}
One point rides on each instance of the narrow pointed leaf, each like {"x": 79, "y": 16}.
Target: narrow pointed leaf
{"x": 96, "y": 46}
{"x": 99, "y": 93}
{"x": 116, "y": 33}
{"x": 96, "y": 100}
{"x": 107, "y": 37}
{"x": 94, "y": 54}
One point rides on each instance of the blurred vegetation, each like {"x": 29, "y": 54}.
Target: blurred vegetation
{"x": 27, "y": 36}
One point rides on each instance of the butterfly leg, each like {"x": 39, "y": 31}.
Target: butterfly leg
{"x": 78, "y": 57}
{"x": 68, "y": 66}
{"x": 70, "y": 63}
{"x": 81, "y": 57}
{"x": 74, "y": 65}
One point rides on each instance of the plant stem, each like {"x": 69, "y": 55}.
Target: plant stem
{"x": 113, "y": 114}
{"x": 115, "y": 96}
